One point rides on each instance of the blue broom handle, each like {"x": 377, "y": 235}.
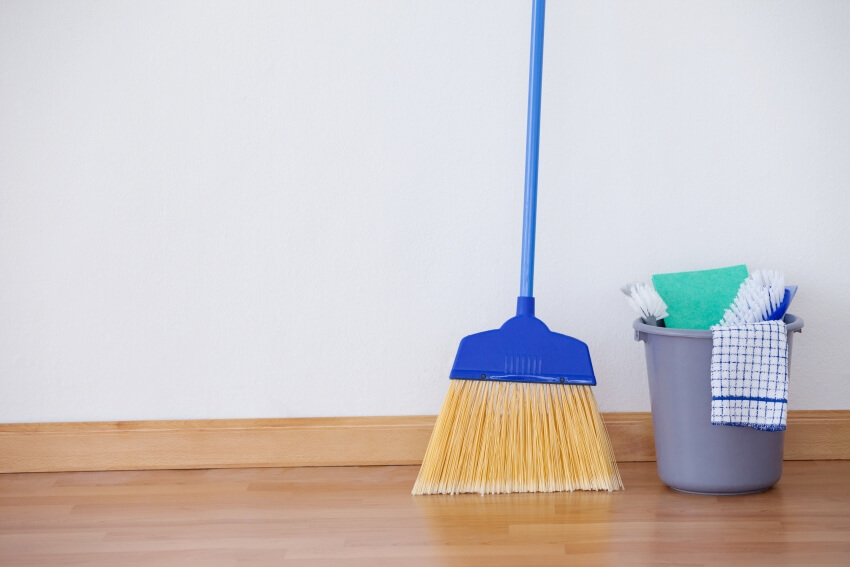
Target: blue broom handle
{"x": 532, "y": 147}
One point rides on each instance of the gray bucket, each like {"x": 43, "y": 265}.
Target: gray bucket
{"x": 692, "y": 454}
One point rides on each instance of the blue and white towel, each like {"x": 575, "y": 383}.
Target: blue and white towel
{"x": 749, "y": 375}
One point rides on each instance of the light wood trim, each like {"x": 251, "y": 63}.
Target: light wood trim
{"x": 240, "y": 443}
{"x": 335, "y": 441}
{"x": 631, "y": 435}
{"x": 817, "y": 435}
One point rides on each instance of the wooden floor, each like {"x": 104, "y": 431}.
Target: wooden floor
{"x": 366, "y": 516}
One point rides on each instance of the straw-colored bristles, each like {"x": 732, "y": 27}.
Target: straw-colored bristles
{"x": 501, "y": 437}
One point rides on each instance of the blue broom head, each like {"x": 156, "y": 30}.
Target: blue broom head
{"x": 524, "y": 350}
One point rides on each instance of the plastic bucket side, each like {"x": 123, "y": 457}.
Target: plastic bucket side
{"x": 693, "y": 455}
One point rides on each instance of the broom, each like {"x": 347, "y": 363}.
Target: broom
{"x": 520, "y": 415}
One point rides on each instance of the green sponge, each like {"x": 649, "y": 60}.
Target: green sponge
{"x": 697, "y": 300}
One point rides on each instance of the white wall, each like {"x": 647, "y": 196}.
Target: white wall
{"x": 261, "y": 209}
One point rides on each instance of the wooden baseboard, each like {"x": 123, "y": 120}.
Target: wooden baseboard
{"x": 244, "y": 443}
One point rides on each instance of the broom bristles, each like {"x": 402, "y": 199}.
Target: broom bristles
{"x": 502, "y": 437}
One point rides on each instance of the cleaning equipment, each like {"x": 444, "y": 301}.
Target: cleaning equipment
{"x": 646, "y": 301}
{"x": 749, "y": 375}
{"x": 693, "y": 455}
{"x": 697, "y": 300}
{"x": 749, "y": 357}
{"x": 520, "y": 415}
{"x": 762, "y": 297}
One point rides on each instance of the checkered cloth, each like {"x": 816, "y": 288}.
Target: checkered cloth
{"x": 749, "y": 375}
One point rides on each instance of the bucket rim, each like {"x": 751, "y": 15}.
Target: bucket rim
{"x": 793, "y": 324}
